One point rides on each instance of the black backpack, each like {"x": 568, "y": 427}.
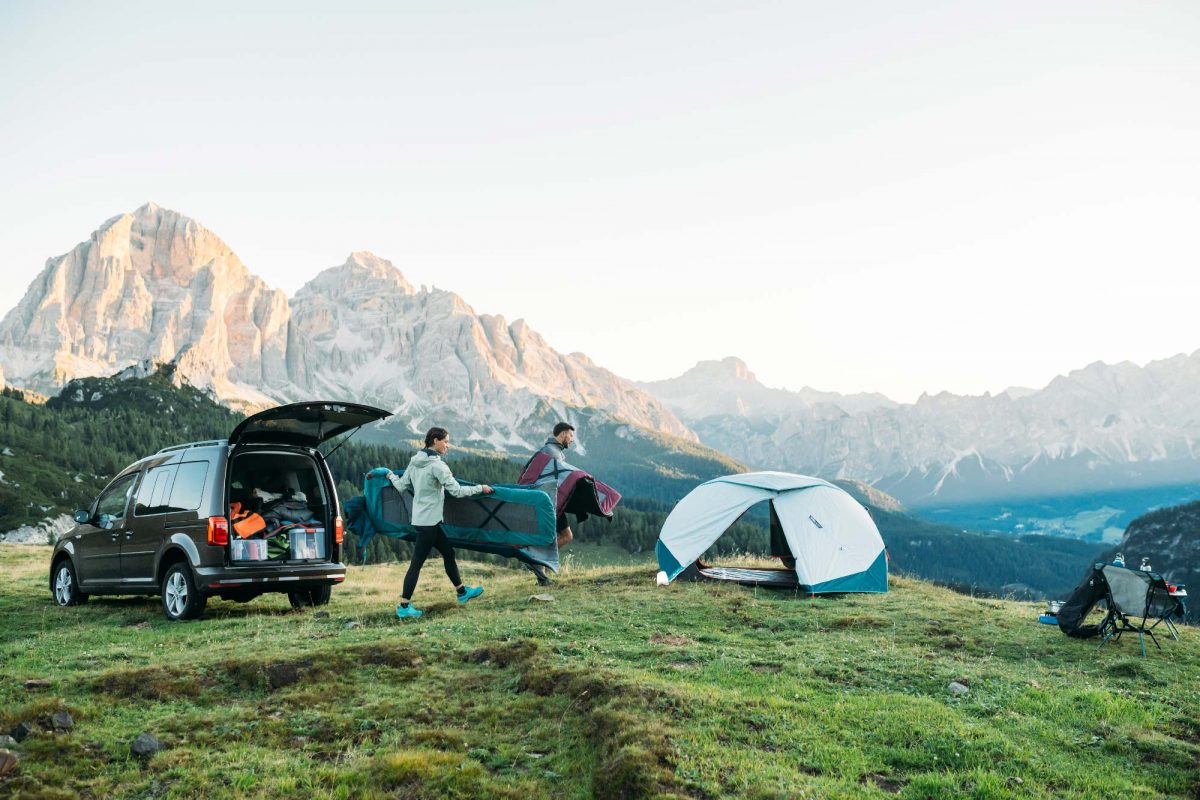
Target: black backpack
{"x": 1090, "y": 591}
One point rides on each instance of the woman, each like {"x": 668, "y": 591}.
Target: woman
{"x": 430, "y": 478}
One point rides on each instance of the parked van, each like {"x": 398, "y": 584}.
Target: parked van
{"x": 162, "y": 525}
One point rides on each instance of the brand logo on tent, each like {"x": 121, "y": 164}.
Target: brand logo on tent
{"x": 814, "y": 521}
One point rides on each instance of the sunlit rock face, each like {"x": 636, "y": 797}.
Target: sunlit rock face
{"x": 156, "y": 285}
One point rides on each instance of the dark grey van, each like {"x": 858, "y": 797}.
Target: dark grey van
{"x": 163, "y": 525}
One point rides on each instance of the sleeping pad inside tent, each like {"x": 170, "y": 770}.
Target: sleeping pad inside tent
{"x": 515, "y": 521}
{"x": 825, "y": 539}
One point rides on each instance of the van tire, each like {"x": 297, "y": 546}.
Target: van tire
{"x": 309, "y": 598}
{"x": 64, "y": 584}
{"x": 180, "y": 598}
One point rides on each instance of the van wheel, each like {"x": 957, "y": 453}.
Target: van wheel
{"x": 307, "y": 598}
{"x": 65, "y": 585}
{"x": 180, "y": 597}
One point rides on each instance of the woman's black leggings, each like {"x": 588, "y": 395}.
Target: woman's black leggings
{"x": 428, "y": 538}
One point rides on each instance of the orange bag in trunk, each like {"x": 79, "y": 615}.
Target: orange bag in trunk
{"x": 245, "y": 523}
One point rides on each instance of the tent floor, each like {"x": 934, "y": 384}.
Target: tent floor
{"x": 747, "y": 576}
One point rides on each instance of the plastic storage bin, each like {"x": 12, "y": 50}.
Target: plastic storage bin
{"x": 249, "y": 549}
{"x": 307, "y": 543}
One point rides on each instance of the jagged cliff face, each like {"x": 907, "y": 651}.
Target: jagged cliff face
{"x": 1104, "y": 426}
{"x": 151, "y": 284}
{"x": 156, "y": 285}
{"x": 362, "y": 328}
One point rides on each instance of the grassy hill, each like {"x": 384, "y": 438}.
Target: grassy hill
{"x": 617, "y": 689}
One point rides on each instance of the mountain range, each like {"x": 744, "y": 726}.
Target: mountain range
{"x": 1096, "y": 428}
{"x": 153, "y": 286}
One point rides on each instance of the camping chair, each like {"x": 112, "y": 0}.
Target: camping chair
{"x": 1135, "y": 594}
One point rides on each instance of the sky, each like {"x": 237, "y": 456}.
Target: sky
{"x": 867, "y": 196}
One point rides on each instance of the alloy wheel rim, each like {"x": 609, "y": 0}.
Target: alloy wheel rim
{"x": 176, "y": 594}
{"x": 62, "y": 586}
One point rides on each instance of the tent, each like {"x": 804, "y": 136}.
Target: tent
{"x": 825, "y": 537}
{"x": 515, "y": 521}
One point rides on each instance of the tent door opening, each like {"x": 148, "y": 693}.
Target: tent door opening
{"x": 783, "y": 576}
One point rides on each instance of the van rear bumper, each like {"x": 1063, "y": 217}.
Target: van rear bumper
{"x": 276, "y": 578}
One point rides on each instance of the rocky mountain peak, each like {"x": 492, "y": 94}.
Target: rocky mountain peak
{"x": 154, "y": 286}
{"x": 730, "y": 368}
{"x": 363, "y": 273}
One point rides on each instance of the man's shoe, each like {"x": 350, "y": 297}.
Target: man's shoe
{"x": 407, "y": 612}
{"x": 472, "y": 591}
{"x": 540, "y": 573}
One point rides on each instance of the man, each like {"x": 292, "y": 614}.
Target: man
{"x": 556, "y": 447}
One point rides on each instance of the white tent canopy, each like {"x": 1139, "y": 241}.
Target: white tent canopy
{"x": 833, "y": 539}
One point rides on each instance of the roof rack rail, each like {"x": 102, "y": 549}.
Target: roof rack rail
{"x": 205, "y": 443}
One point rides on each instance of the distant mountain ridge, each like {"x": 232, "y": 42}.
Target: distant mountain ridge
{"x": 1096, "y": 428}
{"x": 155, "y": 285}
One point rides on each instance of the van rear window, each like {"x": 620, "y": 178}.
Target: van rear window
{"x": 188, "y": 490}
{"x": 155, "y": 489}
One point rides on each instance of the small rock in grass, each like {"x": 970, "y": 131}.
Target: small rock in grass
{"x": 351, "y": 625}
{"x": 37, "y": 683}
{"x": 1015, "y": 781}
{"x": 62, "y": 721}
{"x": 8, "y": 762}
{"x": 8, "y": 743}
{"x": 321, "y": 615}
{"x": 145, "y": 745}
{"x": 541, "y": 598}
{"x": 21, "y": 731}
{"x": 957, "y": 689}
{"x": 1034, "y": 684}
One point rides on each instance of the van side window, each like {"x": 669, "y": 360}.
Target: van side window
{"x": 154, "y": 491}
{"x": 115, "y": 499}
{"x": 188, "y": 490}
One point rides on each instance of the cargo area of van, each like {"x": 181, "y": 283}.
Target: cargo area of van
{"x": 279, "y": 510}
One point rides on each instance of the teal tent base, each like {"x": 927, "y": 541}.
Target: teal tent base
{"x": 872, "y": 579}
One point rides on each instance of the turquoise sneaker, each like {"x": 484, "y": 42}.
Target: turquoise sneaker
{"x": 407, "y": 613}
{"x": 472, "y": 591}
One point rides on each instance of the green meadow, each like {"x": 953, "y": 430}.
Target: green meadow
{"x": 616, "y": 688}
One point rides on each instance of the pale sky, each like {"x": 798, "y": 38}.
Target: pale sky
{"x": 864, "y": 196}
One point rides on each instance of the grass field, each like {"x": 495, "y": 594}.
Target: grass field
{"x": 618, "y": 688}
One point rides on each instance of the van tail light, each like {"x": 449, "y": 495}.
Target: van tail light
{"x": 338, "y": 533}
{"x": 218, "y": 531}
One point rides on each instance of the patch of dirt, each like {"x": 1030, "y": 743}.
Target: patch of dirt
{"x": 152, "y": 683}
{"x": 857, "y": 622}
{"x": 504, "y": 654}
{"x": 767, "y": 667}
{"x": 670, "y": 639}
{"x": 882, "y": 782}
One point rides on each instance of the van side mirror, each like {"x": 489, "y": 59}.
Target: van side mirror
{"x": 81, "y": 516}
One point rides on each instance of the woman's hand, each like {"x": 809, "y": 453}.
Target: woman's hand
{"x": 488, "y": 490}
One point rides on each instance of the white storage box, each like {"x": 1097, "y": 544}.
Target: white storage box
{"x": 249, "y": 549}
{"x": 307, "y": 543}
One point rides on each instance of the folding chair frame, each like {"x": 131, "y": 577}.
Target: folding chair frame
{"x": 1117, "y": 621}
